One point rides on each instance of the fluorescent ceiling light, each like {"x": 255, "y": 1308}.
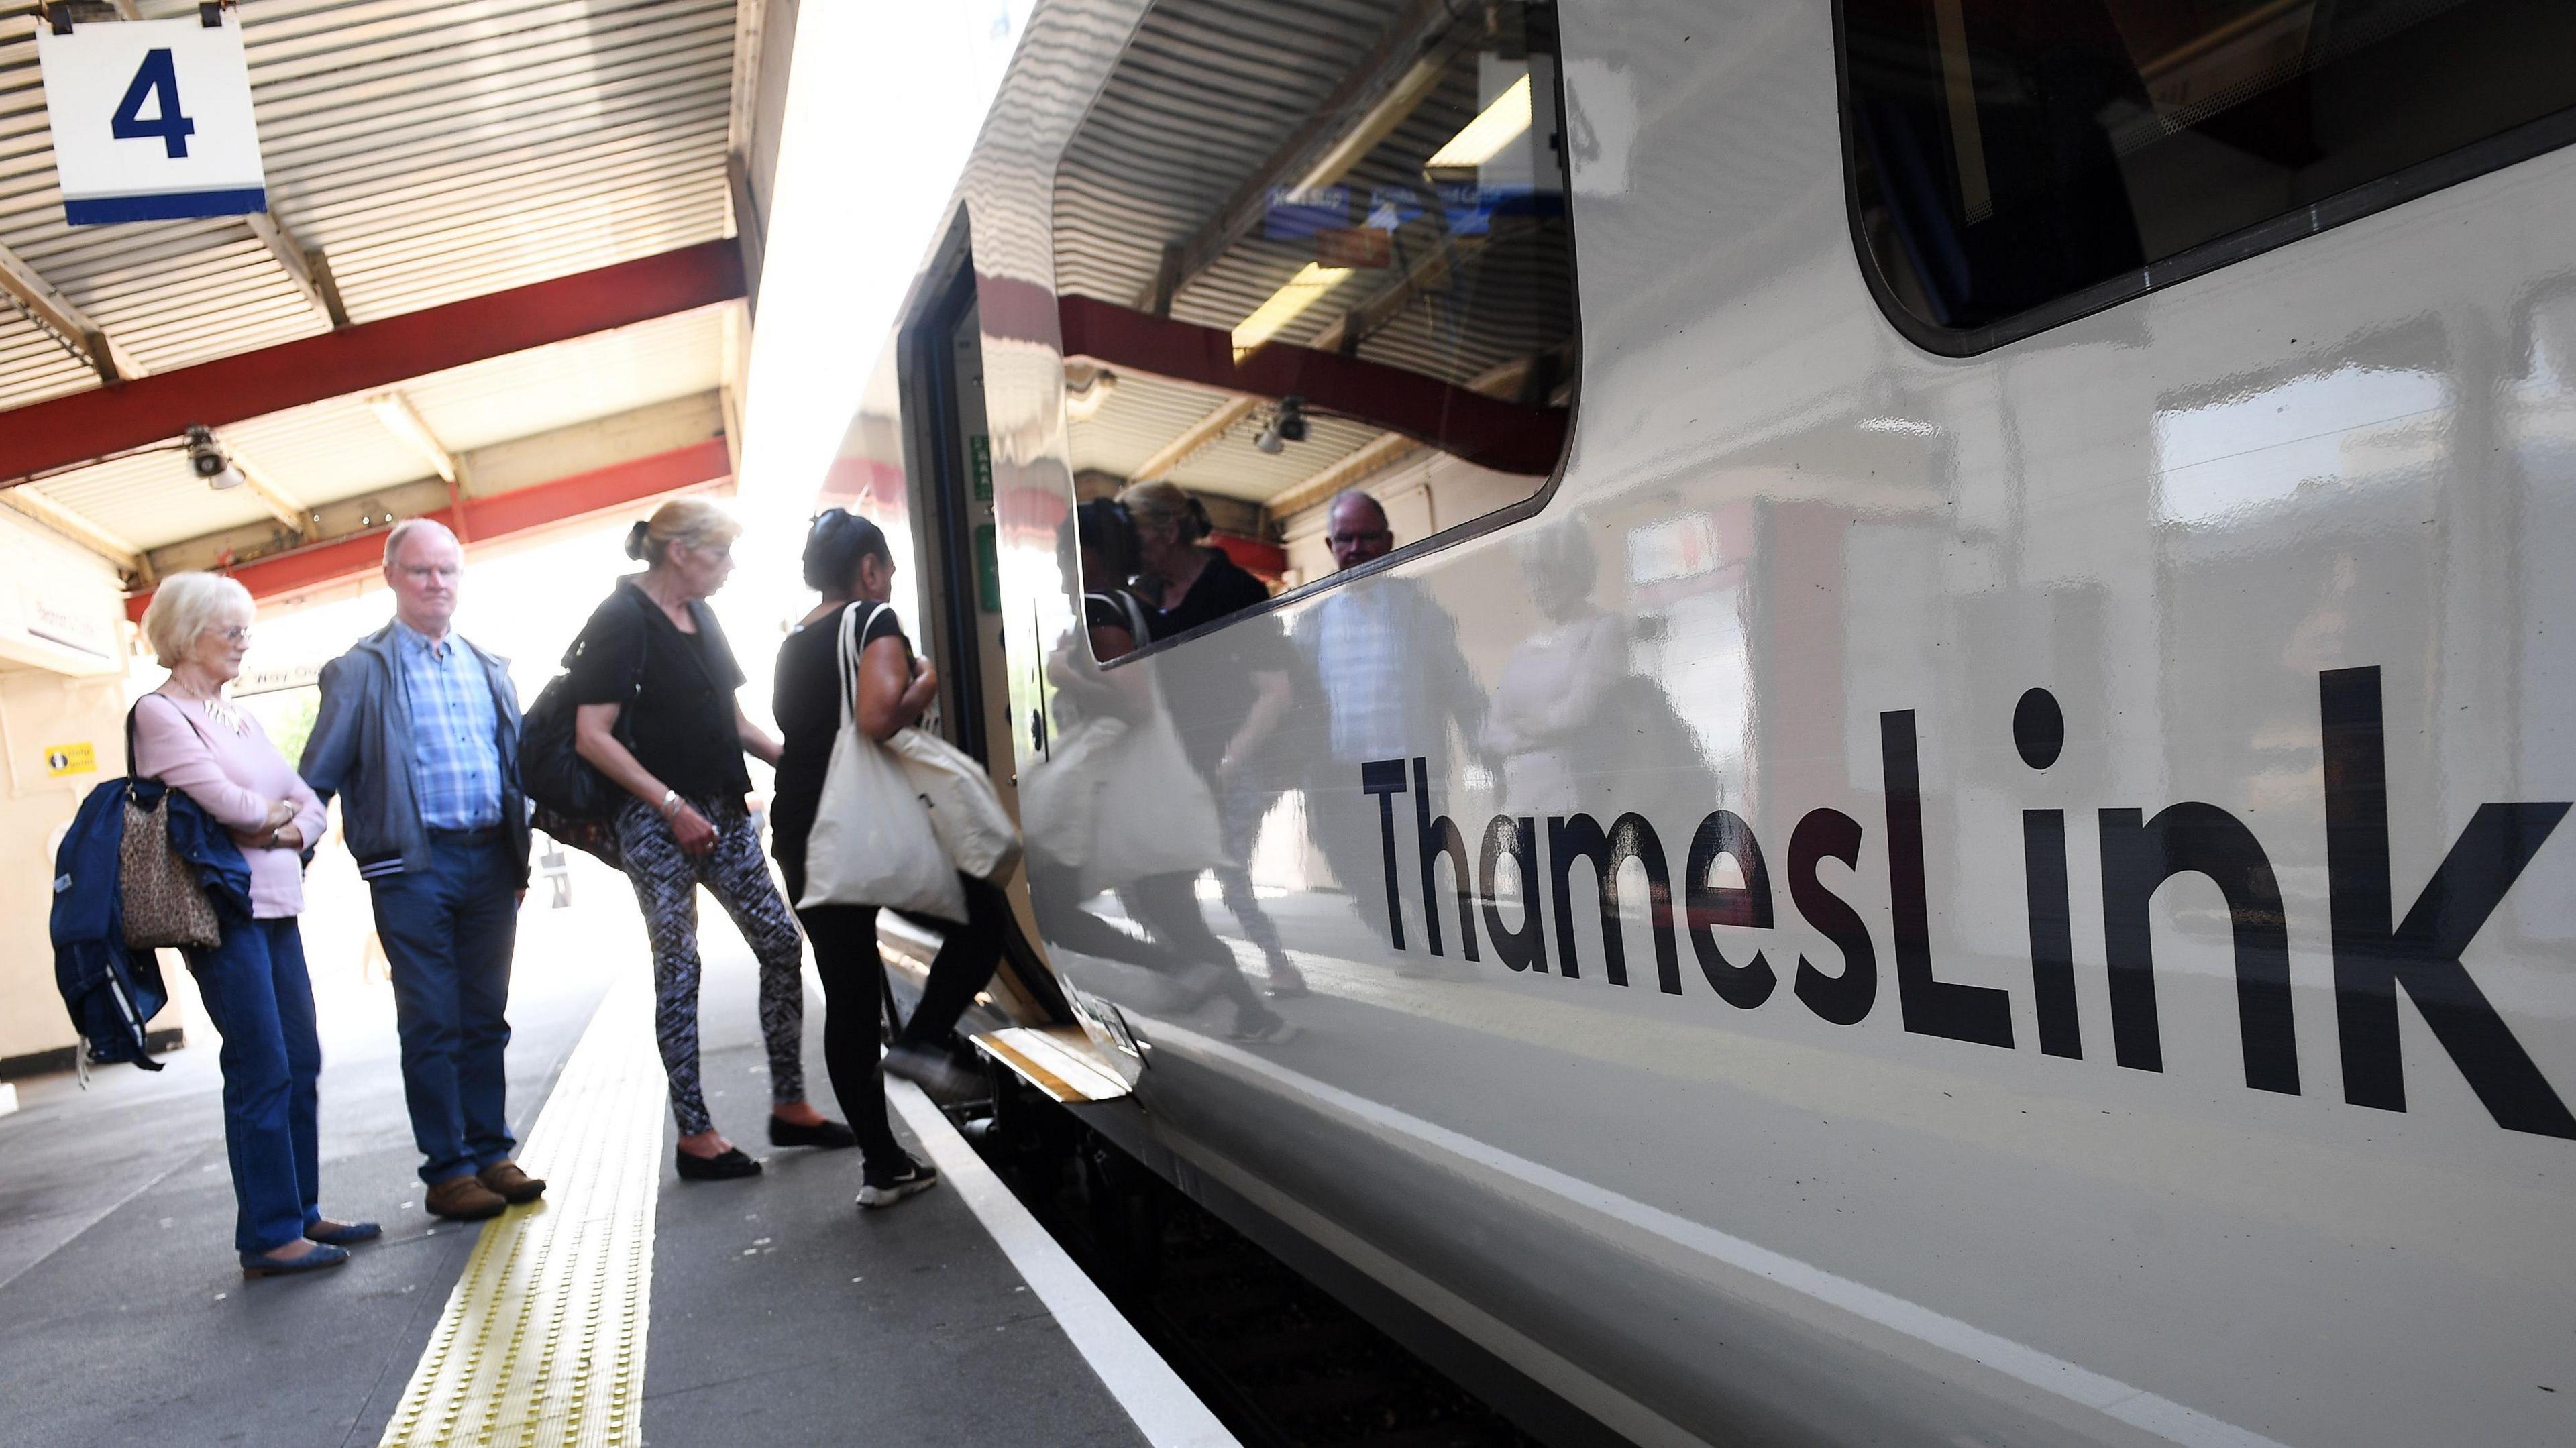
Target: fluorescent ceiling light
{"x": 1286, "y": 305}
{"x": 1081, "y": 404}
{"x": 1502, "y": 123}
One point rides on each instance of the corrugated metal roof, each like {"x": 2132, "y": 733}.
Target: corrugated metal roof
{"x": 341, "y": 449}
{"x": 1204, "y": 93}
{"x": 432, "y": 150}
{"x": 1143, "y": 413}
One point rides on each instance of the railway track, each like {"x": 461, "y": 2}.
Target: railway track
{"x": 1282, "y": 1362}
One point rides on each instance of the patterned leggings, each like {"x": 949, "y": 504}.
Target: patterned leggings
{"x": 666, "y": 881}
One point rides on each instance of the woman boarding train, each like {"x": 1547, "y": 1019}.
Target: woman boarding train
{"x": 654, "y": 680}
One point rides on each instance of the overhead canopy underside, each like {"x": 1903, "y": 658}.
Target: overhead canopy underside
{"x": 1242, "y": 149}
{"x": 592, "y": 159}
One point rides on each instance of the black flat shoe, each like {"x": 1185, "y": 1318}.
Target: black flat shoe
{"x": 722, "y": 1167}
{"x": 827, "y": 1134}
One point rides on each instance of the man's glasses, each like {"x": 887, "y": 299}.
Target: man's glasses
{"x": 422, "y": 573}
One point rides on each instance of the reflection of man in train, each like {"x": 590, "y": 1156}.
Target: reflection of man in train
{"x": 1385, "y": 655}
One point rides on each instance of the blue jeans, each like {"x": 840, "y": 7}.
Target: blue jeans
{"x": 258, "y": 996}
{"x": 448, "y": 932}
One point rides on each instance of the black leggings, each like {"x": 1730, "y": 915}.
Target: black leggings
{"x": 845, "y": 956}
{"x": 1178, "y": 940}
{"x": 968, "y": 956}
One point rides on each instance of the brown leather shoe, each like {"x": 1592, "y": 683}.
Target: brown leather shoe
{"x": 464, "y": 1199}
{"x": 511, "y": 1184}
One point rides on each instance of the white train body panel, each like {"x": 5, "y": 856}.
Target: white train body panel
{"x": 2188, "y": 517}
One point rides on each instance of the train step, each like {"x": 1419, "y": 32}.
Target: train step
{"x": 1060, "y": 1061}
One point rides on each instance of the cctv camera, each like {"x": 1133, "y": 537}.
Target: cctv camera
{"x": 206, "y": 459}
{"x": 1291, "y": 424}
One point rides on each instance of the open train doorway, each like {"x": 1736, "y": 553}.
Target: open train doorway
{"x": 960, "y": 589}
{"x": 953, "y": 501}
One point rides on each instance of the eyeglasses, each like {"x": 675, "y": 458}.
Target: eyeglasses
{"x": 422, "y": 573}
{"x": 237, "y": 634}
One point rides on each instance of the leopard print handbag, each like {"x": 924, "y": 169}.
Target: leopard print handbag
{"x": 164, "y": 904}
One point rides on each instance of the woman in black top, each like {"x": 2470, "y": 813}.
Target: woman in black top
{"x": 847, "y": 561}
{"x": 1186, "y": 582}
{"x": 653, "y": 658}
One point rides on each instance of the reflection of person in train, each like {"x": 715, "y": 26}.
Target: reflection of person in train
{"x": 1191, "y": 584}
{"x": 1385, "y": 657}
{"x": 1549, "y": 698}
{"x": 1081, "y": 843}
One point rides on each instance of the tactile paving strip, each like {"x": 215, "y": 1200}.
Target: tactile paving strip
{"x": 543, "y": 1339}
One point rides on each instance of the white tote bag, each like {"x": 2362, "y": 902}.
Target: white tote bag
{"x": 872, "y": 842}
{"x": 966, "y": 811}
{"x": 1121, "y": 801}
{"x": 1060, "y": 794}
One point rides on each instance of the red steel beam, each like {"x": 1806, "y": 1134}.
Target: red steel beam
{"x": 85, "y": 425}
{"x": 521, "y": 510}
{"x": 1268, "y": 560}
{"x": 1488, "y": 431}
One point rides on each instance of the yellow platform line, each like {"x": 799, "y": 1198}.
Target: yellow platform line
{"x": 543, "y": 1340}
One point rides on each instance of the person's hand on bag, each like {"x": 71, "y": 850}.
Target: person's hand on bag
{"x": 923, "y": 688}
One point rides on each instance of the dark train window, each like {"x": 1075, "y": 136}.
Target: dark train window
{"x": 1308, "y": 248}
{"x": 2016, "y": 163}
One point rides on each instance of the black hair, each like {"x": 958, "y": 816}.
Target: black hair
{"x": 635, "y": 539}
{"x": 835, "y": 544}
{"x": 1104, "y": 526}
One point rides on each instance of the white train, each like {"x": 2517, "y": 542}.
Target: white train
{"x": 1943, "y": 826}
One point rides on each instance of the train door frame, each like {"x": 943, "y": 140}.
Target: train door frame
{"x": 941, "y": 497}
{"x": 944, "y": 540}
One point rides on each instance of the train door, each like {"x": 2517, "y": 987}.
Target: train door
{"x": 962, "y": 631}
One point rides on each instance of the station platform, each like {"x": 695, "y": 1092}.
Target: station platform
{"x": 629, "y": 1307}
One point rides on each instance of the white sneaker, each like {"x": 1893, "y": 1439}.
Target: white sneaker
{"x": 933, "y": 1071}
{"x": 887, "y": 1188}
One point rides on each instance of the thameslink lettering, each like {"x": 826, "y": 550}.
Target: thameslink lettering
{"x": 2376, "y": 953}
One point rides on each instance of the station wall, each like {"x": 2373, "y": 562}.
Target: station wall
{"x": 63, "y": 652}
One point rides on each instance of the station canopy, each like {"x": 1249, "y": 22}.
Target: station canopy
{"x": 502, "y": 280}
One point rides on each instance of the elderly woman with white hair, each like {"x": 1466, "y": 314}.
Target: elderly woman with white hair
{"x": 190, "y": 737}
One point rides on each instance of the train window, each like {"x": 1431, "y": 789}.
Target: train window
{"x": 2017, "y": 163}
{"x": 1307, "y": 249}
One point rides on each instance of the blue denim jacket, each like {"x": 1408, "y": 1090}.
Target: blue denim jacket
{"x": 113, "y": 992}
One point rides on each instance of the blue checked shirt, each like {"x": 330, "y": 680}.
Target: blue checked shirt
{"x": 1387, "y": 656}
{"x": 455, "y": 732}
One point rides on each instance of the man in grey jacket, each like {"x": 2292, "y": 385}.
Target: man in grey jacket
{"x": 418, "y": 735}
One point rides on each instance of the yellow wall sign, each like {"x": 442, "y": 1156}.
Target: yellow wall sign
{"x": 62, "y": 759}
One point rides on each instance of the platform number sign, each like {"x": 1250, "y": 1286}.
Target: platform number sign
{"x": 151, "y": 119}
{"x": 157, "y": 80}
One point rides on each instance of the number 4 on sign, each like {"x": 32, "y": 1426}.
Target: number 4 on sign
{"x": 158, "y": 78}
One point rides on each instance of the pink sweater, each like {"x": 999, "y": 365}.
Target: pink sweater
{"x": 233, "y": 776}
